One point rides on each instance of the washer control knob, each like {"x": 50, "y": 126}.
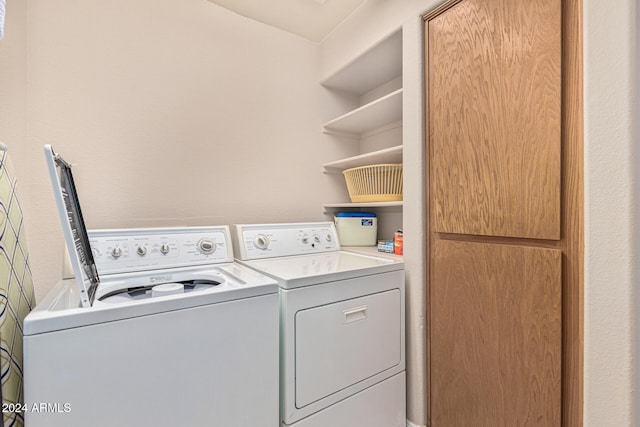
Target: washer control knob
{"x": 316, "y": 238}
{"x": 261, "y": 242}
{"x": 116, "y": 252}
{"x": 207, "y": 246}
{"x": 142, "y": 250}
{"x": 305, "y": 239}
{"x": 164, "y": 249}
{"x": 328, "y": 237}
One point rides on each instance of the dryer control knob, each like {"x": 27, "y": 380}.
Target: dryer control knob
{"x": 142, "y": 250}
{"x": 164, "y": 249}
{"x": 116, "y": 252}
{"x": 261, "y": 242}
{"x": 207, "y": 246}
{"x": 328, "y": 237}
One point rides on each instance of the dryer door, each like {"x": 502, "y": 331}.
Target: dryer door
{"x": 340, "y": 344}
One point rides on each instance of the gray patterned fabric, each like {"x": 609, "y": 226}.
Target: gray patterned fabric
{"x": 16, "y": 291}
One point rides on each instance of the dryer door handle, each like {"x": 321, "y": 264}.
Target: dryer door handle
{"x": 355, "y": 314}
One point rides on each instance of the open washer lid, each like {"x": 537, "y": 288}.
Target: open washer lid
{"x": 73, "y": 227}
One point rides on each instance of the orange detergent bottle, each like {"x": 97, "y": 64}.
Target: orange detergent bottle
{"x": 398, "y": 243}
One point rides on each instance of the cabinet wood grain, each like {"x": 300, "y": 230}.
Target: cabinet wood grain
{"x": 572, "y": 243}
{"x": 494, "y": 88}
{"x": 503, "y": 208}
{"x": 496, "y": 335}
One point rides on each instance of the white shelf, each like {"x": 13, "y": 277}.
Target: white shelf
{"x": 376, "y": 114}
{"x": 388, "y": 155}
{"x": 378, "y": 65}
{"x": 377, "y": 71}
{"x": 361, "y": 205}
{"x": 371, "y": 251}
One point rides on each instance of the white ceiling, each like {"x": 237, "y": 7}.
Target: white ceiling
{"x": 311, "y": 19}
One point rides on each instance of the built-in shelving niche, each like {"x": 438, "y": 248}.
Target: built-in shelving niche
{"x": 375, "y": 77}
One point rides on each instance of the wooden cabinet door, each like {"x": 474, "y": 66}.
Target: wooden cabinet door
{"x": 493, "y": 73}
{"x": 495, "y": 335}
{"x": 503, "y": 81}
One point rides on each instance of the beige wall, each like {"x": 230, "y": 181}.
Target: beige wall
{"x": 175, "y": 113}
{"x": 611, "y": 213}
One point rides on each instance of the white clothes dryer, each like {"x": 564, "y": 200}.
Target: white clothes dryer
{"x": 159, "y": 328}
{"x": 342, "y": 332}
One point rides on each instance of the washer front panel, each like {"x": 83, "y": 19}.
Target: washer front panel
{"x": 211, "y": 365}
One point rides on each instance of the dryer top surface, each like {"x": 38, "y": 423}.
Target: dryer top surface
{"x": 305, "y": 270}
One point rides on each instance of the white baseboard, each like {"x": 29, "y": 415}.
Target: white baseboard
{"x": 410, "y": 424}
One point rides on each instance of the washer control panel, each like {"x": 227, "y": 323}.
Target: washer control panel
{"x": 255, "y": 241}
{"x": 129, "y": 250}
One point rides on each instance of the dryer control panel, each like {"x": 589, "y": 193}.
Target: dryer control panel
{"x": 256, "y": 241}
{"x": 129, "y": 250}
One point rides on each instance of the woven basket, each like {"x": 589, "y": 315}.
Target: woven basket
{"x": 374, "y": 183}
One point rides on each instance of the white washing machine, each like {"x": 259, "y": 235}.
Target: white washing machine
{"x": 163, "y": 329}
{"x": 342, "y": 333}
